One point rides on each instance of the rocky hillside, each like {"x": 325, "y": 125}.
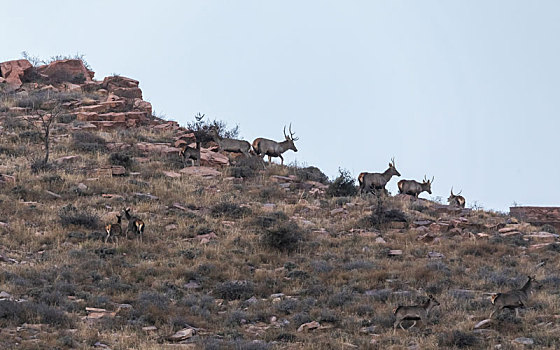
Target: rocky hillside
{"x": 233, "y": 255}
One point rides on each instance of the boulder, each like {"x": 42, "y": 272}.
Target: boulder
{"x": 13, "y": 71}
{"x": 160, "y": 148}
{"x": 208, "y": 157}
{"x": 67, "y": 159}
{"x": 202, "y": 171}
{"x": 143, "y": 105}
{"x": 116, "y": 81}
{"x": 66, "y": 70}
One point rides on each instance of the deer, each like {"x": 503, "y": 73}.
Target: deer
{"x": 271, "y": 148}
{"x": 230, "y": 145}
{"x": 114, "y": 230}
{"x": 455, "y": 200}
{"x": 514, "y": 299}
{"x": 192, "y": 154}
{"x": 135, "y": 224}
{"x": 377, "y": 181}
{"x": 414, "y": 188}
{"x": 414, "y": 313}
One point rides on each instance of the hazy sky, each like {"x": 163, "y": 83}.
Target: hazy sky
{"x": 466, "y": 91}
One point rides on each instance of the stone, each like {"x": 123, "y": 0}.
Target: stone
{"x": 182, "y": 334}
{"x": 337, "y": 211}
{"x": 145, "y": 196}
{"x": 170, "y": 227}
{"x": 116, "y": 81}
{"x": 380, "y": 240}
{"x": 5, "y": 296}
{"x": 13, "y": 71}
{"x": 118, "y": 170}
{"x": 524, "y": 341}
{"x": 149, "y": 329}
{"x": 94, "y": 108}
{"x": 7, "y": 179}
{"x": 395, "y": 252}
{"x": 143, "y": 105}
{"x": 435, "y": 255}
{"x": 542, "y": 236}
{"x": 171, "y": 174}
{"x": 201, "y": 171}
{"x": 269, "y": 206}
{"x": 66, "y": 70}
{"x": 308, "y": 326}
{"x": 67, "y": 159}
{"x": 482, "y": 323}
{"x": 208, "y": 157}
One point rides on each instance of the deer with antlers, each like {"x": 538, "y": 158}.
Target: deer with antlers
{"x": 377, "y": 181}
{"x": 455, "y": 200}
{"x": 271, "y": 148}
{"x": 414, "y": 188}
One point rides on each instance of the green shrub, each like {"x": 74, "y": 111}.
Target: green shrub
{"x": 285, "y": 236}
{"x": 343, "y": 185}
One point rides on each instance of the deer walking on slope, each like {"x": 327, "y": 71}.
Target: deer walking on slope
{"x": 230, "y": 145}
{"x": 377, "y": 181}
{"x": 114, "y": 230}
{"x": 135, "y": 224}
{"x": 514, "y": 299}
{"x": 271, "y": 148}
{"x": 414, "y": 313}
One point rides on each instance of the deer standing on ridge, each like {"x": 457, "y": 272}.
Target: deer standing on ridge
{"x": 513, "y": 299}
{"x": 414, "y": 313}
{"x": 414, "y": 188}
{"x": 377, "y": 181}
{"x": 271, "y": 148}
{"x": 230, "y": 145}
{"x": 455, "y": 200}
{"x": 192, "y": 154}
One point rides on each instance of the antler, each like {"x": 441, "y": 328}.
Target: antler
{"x": 452, "y": 191}
{"x": 291, "y": 137}
{"x": 432, "y": 180}
{"x": 393, "y": 161}
{"x": 199, "y": 116}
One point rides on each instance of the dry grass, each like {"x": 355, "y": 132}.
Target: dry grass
{"x": 267, "y": 272}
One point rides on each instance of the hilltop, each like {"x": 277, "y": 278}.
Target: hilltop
{"x": 234, "y": 255}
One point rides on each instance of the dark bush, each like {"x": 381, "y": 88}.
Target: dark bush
{"x": 284, "y": 236}
{"x": 312, "y": 173}
{"x": 152, "y": 308}
{"x": 39, "y": 166}
{"x": 269, "y": 220}
{"x": 122, "y": 159}
{"x": 343, "y": 185}
{"x": 548, "y": 228}
{"x": 66, "y": 118}
{"x": 70, "y": 215}
{"x": 246, "y": 167}
{"x": 230, "y": 210}
{"x": 15, "y": 313}
{"x": 457, "y": 339}
{"x": 84, "y": 141}
{"x": 31, "y": 136}
{"x": 232, "y": 290}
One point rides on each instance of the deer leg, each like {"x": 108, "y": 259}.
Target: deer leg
{"x": 281, "y": 160}
{"x": 400, "y": 324}
{"x": 414, "y": 324}
{"x": 516, "y": 312}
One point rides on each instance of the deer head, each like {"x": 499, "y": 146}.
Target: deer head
{"x": 392, "y": 169}
{"x": 290, "y": 139}
{"x": 427, "y": 184}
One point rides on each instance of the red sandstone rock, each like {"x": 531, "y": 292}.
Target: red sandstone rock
{"x": 66, "y": 70}
{"x": 202, "y": 171}
{"x": 116, "y": 81}
{"x": 13, "y": 71}
{"x": 143, "y": 105}
{"x": 208, "y": 157}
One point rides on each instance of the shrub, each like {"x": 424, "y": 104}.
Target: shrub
{"x": 232, "y": 290}
{"x": 229, "y": 209}
{"x": 66, "y": 118}
{"x": 269, "y": 220}
{"x": 246, "y": 167}
{"x": 312, "y": 173}
{"x": 548, "y": 228}
{"x": 15, "y": 313}
{"x": 284, "y": 236}
{"x": 84, "y": 141}
{"x": 343, "y": 185}
{"x": 70, "y": 215}
{"x": 458, "y": 339}
{"x": 122, "y": 159}
{"x": 39, "y": 165}
{"x": 201, "y": 129}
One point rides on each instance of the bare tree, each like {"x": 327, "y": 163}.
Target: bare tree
{"x": 45, "y": 122}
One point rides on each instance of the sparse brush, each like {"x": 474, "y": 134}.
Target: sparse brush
{"x": 343, "y": 185}
{"x": 285, "y": 236}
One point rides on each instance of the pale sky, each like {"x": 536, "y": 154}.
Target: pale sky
{"x": 466, "y": 91}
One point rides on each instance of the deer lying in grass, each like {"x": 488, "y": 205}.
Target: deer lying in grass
{"x": 414, "y": 313}
{"x": 114, "y": 230}
{"x": 455, "y": 200}
{"x": 377, "y": 181}
{"x": 230, "y": 145}
{"x": 271, "y": 148}
{"x": 414, "y": 188}
{"x": 514, "y": 299}
{"x": 192, "y": 154}
{"x": 135, "y": 224}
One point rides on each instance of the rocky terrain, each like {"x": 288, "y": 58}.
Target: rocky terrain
{"x": 234, "y": 255}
